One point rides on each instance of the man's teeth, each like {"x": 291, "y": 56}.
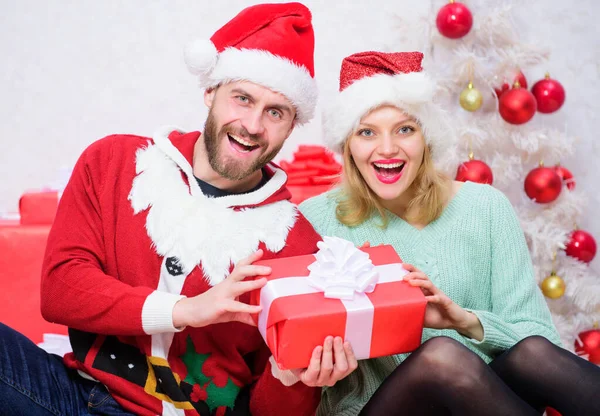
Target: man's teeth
{"x": 388, "y": 165}
{"x": 242, "y": 141}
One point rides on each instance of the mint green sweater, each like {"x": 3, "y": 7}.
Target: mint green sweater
{"x": 475, "y": 252}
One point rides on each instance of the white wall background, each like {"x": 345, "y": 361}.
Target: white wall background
{"x": 73, "y": 71}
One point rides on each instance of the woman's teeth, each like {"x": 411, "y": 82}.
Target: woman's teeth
{"x": 388, "y": 165}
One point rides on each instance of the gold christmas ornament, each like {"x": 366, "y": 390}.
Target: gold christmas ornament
{"x": 470, "y": 98}
{"x": 553, "y": 286}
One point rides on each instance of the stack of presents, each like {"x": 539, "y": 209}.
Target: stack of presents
{"x": 342, "y": 290}
{"x": 22, "y": 244}
{"x": 312, "y": 171}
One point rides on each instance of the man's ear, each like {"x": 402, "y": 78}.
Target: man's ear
{"x": 209, "y": 96}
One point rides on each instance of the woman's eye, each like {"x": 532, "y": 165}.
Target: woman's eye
{"x": 366, "y": 133}
{"x": 242, "y": 98}
{"x": 406, "y": 129}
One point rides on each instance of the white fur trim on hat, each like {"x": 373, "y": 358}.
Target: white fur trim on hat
{"x": 257, "y": 66}
{"x": 413, "y": 93}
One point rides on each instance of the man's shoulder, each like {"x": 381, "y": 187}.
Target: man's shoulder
{"x": 115, "y": 144}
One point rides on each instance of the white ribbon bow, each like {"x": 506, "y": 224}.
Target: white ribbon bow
{"x": 341, "y": 269}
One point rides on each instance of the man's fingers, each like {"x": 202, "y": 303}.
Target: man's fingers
{"x": 251, "y": 258}
{"x": 245, "y": 319}
{"x": 240, "y": 288}
{"x": 240, "y": 307}
{"x": 239, "y": 273}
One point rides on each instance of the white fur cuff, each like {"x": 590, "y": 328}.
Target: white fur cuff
{"x": 287, "y": 377}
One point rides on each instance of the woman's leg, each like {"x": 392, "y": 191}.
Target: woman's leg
{"x": 443, "y": 377}
{"x": 543, "y": 375}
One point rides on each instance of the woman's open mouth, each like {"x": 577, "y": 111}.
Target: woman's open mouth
{"x": 388, "y": 171}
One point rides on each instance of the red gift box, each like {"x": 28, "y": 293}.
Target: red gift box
{"x": 39, "y": 207}
{"x": 21, "y": 254}
{"x": 297, "y": 317}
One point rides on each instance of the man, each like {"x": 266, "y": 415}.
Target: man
{"x": 140, "y": 259}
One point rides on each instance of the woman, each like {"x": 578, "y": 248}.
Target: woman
{"x": 489, "y": 343}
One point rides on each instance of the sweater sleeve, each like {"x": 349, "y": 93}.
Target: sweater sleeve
{"x": 275, "y": 390}
{"x": 75, "y": 289}
{"x": 519, "y": 309}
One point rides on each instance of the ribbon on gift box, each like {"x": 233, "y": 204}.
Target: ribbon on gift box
{"x": 340, "y": 271}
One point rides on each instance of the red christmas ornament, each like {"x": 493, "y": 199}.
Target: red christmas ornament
{"x": 474, "y": 171}
{"x": 543, "y": 185}
{"x": 517, "y": 106}
{"x": 549, "y": 94}
{"x": 454, "y": 20}
{"x": 587, "y": 345}
{"x": 519, "y": 77}
{"x": 581, "y": 246}
{"x": 566, "y": 176}
{"x": 552, "y": 412}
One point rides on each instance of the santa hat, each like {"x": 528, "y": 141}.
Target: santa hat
{"x": 269, "y": 44}
{"x": 371, "y": 79}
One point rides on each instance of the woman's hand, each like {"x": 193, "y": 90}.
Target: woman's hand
{"x": 442, "y": 312}
{"x": 329, "y": 363}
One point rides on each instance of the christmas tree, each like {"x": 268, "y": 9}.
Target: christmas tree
{"x": 509, "y": 132}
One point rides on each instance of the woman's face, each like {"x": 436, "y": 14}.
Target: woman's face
{"x": 387, "y": 148}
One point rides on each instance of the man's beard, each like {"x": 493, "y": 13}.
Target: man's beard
{"x": 230, "y": 168}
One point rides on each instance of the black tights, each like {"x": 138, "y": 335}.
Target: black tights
{"x": 443, "y": 377}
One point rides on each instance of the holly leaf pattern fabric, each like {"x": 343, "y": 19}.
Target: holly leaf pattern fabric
{"x": 205, "y": 387}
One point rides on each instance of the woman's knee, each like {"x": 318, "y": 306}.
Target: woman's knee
{"x": 530, "y": 350}
{"x": 447, "y": 354}
{"x": 451, "y": 363}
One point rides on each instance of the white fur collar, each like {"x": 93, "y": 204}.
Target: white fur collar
{"x": 201, "y": 230}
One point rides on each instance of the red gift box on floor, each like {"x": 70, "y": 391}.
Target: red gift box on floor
{"x": 38, "y": 207}
{"x": 21, "y": 254}
{"x": 297, "y": 317}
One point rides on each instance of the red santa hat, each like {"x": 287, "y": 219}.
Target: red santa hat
{"x": 269, "y": 44}
{"x": 371, "y": 79}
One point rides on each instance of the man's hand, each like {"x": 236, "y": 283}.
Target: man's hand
{"x": 220, "y": 303}
{"x": 329, "y": 363}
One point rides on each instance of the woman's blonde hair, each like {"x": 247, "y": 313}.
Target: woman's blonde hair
{"x": 356, "y": 201}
